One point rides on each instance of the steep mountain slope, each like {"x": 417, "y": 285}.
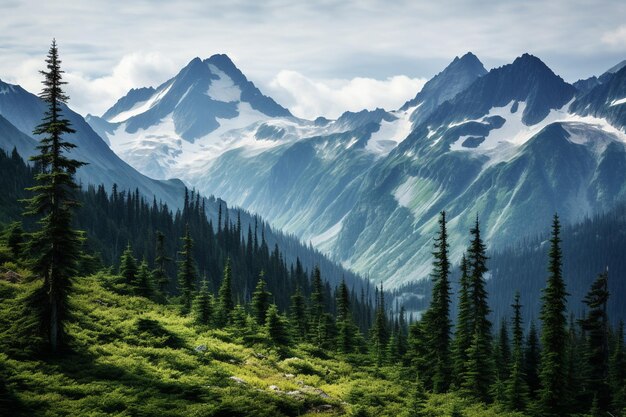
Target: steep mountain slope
{"x": 21, "y": 111}
{"x": 506, "y": 150}
{"x": 454, "y": 79}
{"x": 507, "y": 146}
{"x": 188, "y": 118}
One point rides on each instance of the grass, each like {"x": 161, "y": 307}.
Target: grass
{"x": 131, "y": 357}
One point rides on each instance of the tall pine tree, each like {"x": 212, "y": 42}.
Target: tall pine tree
{"x": 225, "y": 304}
{"x": 437, "y": 318}
{"x": 479, "y": 373}
{"x": 552, "y": 395}
{"x": 596, "y": 326}
{"x": 55, "y": 247}
{"x": 464, "y": 325}
{"x": 186, "y": 273}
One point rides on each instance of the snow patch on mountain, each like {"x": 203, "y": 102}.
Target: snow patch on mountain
{"x": 224, "y": 88}
{"x": 390, "y": 134}
{"x": 141, "y": 107}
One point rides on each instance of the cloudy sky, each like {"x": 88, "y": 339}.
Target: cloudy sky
{"x": 315, "y": 57}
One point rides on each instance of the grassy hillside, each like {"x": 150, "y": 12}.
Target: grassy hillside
{"x": 131, "y": 357}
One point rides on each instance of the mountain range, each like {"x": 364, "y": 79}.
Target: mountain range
{"x": 512, "y": 146}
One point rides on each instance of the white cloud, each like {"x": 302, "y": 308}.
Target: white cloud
{"x": 134, "y": 70}
{"x": 309, "y": 98}
{"x": 615, "y": 37}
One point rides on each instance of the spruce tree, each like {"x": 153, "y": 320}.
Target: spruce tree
{"x": 516, "y": 388}
{"x": 617, "y": 371}
{"x": 479, "y": 374}
{"x": 15, "y": 239}
{"x": 532, "y": 357}
{"x": 379, "y": 333}
{"x": 225, "y": 302}
{"x": 317, "y": 295}
{"x": 464, "y": 325}
{"x": 276, "y": 327}
{"x": 417, "y": 403}
{"x": 437, "y": 318}
{"x": 260, "y": 300}
{"x": 161, "y": 280}
{"x": 346, "y": 329}
{"x": 128, "y": 268}
{"x": 186, "y": 272}
{"x": 298, "y": 316}
{"x": 552, "y": 395}
{"x": 143, "y": 287}
{"x": 55, "y": 247}
{"x": 503, "y": 352}
{"x": 596, "y": 326}
{"x": 203, "y": 306}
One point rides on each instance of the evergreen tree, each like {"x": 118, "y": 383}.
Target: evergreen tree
{"x": 225, "y": 302}
{"x": 55, "y": 247}
{"x": 417, "y": 404}
{"x": 516, "y": 388}
{"x": 552, "y": 396}
{"x": 596, "y": 326}
{"x": 186, "y": 272}
{"x": 15, "y": 239}
{"x": 346, "y": 329}
{"x": 298, "y": 315}
{"x": 128, "y": 268}
{"x": 617, "y": 371}
{"x": 437, "y": 318}
{"x": 161, "y": 280}
{"x": 503, "y": 352}
{"x": 276, "y": 327}
{"x": 260, "y": 300}
{"x": 203, "y": 306}
{"x": 144, "y": 281}
{"x": 317, "y": 296}
{"x": 532, "y": 357}
{"x": 463, "y": 333}
{"x": 379, "y": 332}
{"x": 479, "y": 374}
{"x": 239, "y": 317}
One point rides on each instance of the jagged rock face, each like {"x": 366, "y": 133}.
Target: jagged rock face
{"x": 512, "y": 146}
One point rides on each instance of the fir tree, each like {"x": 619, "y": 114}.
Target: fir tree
{"x": 203, "y": 306}
{"x": 55, "y": 247}
{"x": 225, "y": 302}
{"x": 617, "y": 371}
{"x": 379, "y": 329}
{"x": 15, "y": 239}
{"x": 298, "y": 315}
{"x": 275, "y": 327}
{"x": 260, "y": 300}
{"x": 596, "y": 326}
{"x": 532, "y": 357}
{"x": 144, "y": 281}
{"x": 516, "y": 388}
{"x": 479, "y": 374}
{"x": 552, "y": 396}
{"x": 128, "y": 268}
{"x": 161, "y": 280}
{"x": 463, "y": 333}
{"x": 437, "y": 319}
{"x": 186, "y": 272}
{"x": 417, "y": 403}
{"x": 503, "y": 352}
{"x": 317, "y": 295}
